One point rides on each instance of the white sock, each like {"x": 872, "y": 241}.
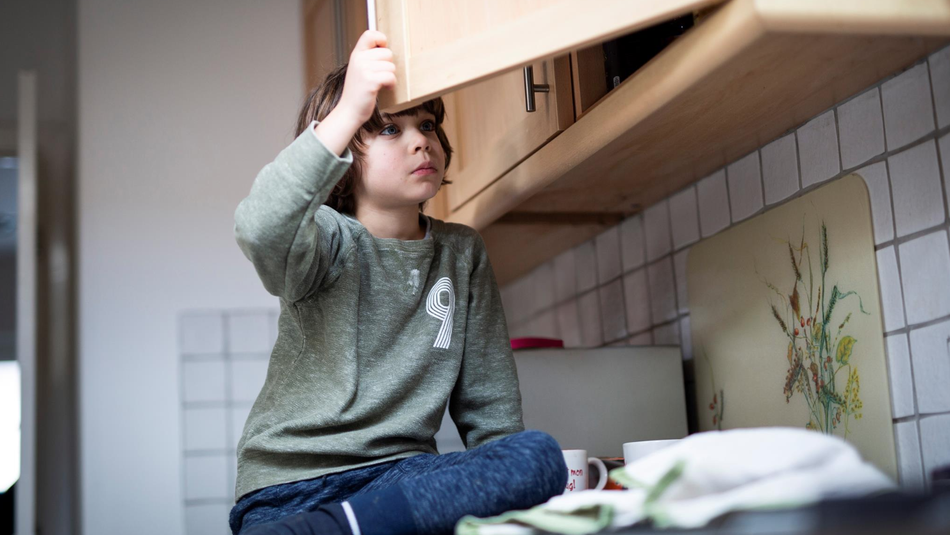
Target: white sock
{"x": 354, "y": 526}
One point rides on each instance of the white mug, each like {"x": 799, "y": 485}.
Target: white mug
{"x": 577, "y": 463}
{"x": 634, "y": 451}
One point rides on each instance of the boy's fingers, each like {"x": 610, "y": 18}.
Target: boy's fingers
{"x": 386, "y": 79}
{"x": 381, "y": 66}
{"x": 370, "y": 39}
{"x": 378, "y": 54}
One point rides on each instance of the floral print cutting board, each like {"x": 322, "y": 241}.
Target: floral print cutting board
{"x": 786, "y": 322}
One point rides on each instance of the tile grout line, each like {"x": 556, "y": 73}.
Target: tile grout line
{"x": 761, "y": 181}
{"x": 834, "y": 115}
{"x": 798, "y": 162}
{"x": 941, "y": 165}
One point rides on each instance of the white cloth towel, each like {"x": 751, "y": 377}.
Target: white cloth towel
{"x": 702, "y": 477}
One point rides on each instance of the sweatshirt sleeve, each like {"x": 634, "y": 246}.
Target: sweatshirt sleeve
{"x": 486, "y": 401}
{"x": 277, "y": 225}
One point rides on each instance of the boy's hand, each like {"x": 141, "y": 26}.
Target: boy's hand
{"x": 370, "y": 68}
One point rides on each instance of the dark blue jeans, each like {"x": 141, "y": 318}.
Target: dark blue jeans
{"x": 515, "y": 472}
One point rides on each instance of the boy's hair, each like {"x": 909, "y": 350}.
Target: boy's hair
{"x": 321, "y": 102}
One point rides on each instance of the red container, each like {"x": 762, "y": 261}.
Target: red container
{"x": 527, "y": 343}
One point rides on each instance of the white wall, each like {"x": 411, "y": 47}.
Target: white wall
{"x": 180, "y": 105}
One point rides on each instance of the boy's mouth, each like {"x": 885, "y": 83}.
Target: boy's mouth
{"x": 424, "y": 169}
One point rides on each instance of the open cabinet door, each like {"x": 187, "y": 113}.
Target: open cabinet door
{"x": 442, "y": 45}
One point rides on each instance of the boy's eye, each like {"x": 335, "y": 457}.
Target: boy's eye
{"x": 427, "y": 126}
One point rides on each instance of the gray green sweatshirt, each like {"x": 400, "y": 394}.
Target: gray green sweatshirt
{"x": 376, "y": 335}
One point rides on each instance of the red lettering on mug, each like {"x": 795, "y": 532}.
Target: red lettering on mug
{"x": 570, "y": 486}
{"x": 578, "y": 472}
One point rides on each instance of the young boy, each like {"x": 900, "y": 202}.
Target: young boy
{"x": 386, "y": 316}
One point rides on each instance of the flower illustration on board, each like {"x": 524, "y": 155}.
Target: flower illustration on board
{"x": 718, "y": 403}
{"x": 819, "y": 352}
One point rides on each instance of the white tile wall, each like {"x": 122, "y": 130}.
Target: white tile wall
{"x": 667, "y": 335}
{"x": 818, "y": 149}
{"x": 642, "y": 339}
{"x": 585, "y": 262}
{"x": 679, "y": 273}
{"x": 612, "y": 310}
{"x": 918, "y": 195}
{"x": 901, "y": 378}
{"x": 608, "y": 255}
{"x": 565, "y": 276}
{"x": 940, "y": 82}
{"x": 780, "y": 169}
{"x": 861, "y": 128}
{"x": 879, "y": 189}
{"x": 202, "y": 333}
{"x": 517, "y": 299}
{"x": 908, "y": 191}
{"x": 930, "y": 347}
{"x": 568, "y": 320}
{"x": 935, "y": 442}
{"x": 588, "y": 307}
{"x": 745, "y": 187}
{"x": 909, "y": 463}
{"x": 544, "y": 325}
{"x": 544, "y": 293}
{"x": 203, "y": 381}
{"x": 247, "y": 378}
{"x": 892, "y": 300}
{"x": 206, "y": 477}
{"x": 662, "y": 291}
{"x": 684, "y": 217}
{"x": 249, "y": 332}
{"x": 633, "y": 243}
{"x": 656, "y": 224}
{"x": 713, "y": 203}
{"x": 908, "y": 109}
{"x": 927, "y": 284}
{"x": 208, "y": 519}
{"x": 237, "y": 416}
{"x": 219, "y": 382}
{"x": 637, "y": 298}
{"x": 205, "y": 429}
{"x": 945, "y": 164}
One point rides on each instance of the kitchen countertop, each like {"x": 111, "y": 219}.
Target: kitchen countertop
{"x": 887, "y": 514}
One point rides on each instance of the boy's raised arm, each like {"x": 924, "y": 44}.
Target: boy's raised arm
{"x": 277, "y": 226}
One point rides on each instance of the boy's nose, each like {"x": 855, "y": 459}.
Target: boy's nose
{"x": 421, "y": 141}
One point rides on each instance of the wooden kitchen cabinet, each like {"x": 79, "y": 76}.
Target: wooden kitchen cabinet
{"x": 487, "y": 122}
{"x": 750, "y": 71}
{"x": 444, "y": 45}
{"x": 491, "y": 130}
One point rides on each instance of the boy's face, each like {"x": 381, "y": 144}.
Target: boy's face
{"x": 393, "y": 153}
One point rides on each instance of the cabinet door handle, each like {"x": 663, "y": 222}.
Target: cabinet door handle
{"x": 371, "y": 14}
{"x": 530, "y": 88}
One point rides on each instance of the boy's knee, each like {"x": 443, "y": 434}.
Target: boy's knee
{"x": 539, "y": 441}
{"x": 543, "y": 454}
